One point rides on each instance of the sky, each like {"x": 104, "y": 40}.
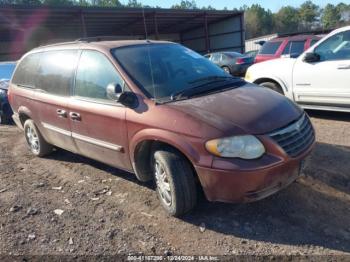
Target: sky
{"x": 273, "y": 5}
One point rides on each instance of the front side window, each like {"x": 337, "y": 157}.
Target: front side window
{"x": 337, "y": 47}
{"x": 56, "y": 71}
{"x": 270, "y": 48}
{"x": 95, "y": 72}
{"x": 26, "y": 72}
{"x": 161, "y": 70}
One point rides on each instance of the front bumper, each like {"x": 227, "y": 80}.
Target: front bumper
{"x": 237, "y": 186}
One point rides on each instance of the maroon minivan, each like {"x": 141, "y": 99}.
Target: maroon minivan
{"x": 163, "y": 112}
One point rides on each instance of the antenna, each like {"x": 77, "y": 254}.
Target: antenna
{"x": 144, "y": 21}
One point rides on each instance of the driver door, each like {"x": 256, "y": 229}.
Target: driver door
{"x": 325, "y": 82}
{"x": 98, "y": 124}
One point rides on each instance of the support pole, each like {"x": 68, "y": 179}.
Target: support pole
{"x": 82, "y": 24}
{"x": 156, "y": 26}
{"x": 207, "y": 42}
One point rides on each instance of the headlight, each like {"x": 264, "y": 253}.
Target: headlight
{"x": 247, "y": 76}
{"x": 246, "y": 147}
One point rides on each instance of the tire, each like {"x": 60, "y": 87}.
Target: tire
{"x": 226, "y": 69}
{"x": 37, "y": 144}
{"x": 4, "y": 120}
{"x": 174, "y": 179}
{"x": 273, "y": 86}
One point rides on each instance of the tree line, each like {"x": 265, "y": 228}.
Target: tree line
{"x": 258, "y": 20}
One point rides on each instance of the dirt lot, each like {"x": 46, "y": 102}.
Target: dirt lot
{"x": 106, "y": 211}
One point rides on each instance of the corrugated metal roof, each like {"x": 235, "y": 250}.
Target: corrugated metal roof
{"x": 107, "y": 21}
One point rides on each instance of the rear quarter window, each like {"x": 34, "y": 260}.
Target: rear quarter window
{"x": 270, "y": 48}
{"x": 50, "y": 71}
{"x": 26, "y": 72}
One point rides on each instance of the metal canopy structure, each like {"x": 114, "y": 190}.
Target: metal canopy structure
{"x": 24, "y": 27}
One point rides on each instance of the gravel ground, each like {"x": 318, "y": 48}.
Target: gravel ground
{"x": 69, "y": 205}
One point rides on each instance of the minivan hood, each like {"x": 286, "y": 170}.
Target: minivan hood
{"x": 253, "y": 109}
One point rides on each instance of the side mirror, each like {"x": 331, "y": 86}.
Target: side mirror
{"x": 115, "y": 92}
{"x": 128, "y": 99}
{"x": 311, "y": 58}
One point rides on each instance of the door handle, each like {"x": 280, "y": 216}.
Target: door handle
{"x": 75, "y": 116}
{"x": 345, "y": 66}
{"x": 61, "y": 113}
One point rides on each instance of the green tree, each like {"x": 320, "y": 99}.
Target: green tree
{"x": 308, "y": 13}
{"x": 58, "y": 2}
{"x": 258, "y": 21}
{"x": 209, "y": 7}
{"x": 134, "y": 4}
{"x": 330, "y": 16}
{"x": 185, "y": 4}
{"x": 108, "y": 3}
{"x": 286, "y": 19}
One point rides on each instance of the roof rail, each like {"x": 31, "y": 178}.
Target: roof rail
{"x": 57, "y": 44}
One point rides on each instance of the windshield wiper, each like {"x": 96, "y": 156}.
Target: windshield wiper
{"x": 203, "y": 88}
{"x": 210, "y": 78}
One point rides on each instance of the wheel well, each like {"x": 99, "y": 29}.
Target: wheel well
{"x": 23, "y": 118}
{"x": 262, "y": 80}
{"x": 143, "y": 158}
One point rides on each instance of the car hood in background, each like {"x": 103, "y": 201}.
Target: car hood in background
{"x": 274, "y": 65}
{"x": 253, "y": 109}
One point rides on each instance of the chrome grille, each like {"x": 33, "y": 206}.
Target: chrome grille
{"x": 296, "y": 137}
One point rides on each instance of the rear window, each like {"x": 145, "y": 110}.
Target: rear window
{"x": 294, "y": 47}
{"x": 270, "y": 48}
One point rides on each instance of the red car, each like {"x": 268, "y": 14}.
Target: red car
{"x": 291, "y": 46}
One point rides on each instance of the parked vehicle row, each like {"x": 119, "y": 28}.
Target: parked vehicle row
{"x": 231, "y": 62}
{"x": 285, "y": 46}
{"x": 6, "y": 71}
{"x": 317, "y": 79}
{"x": 164, "y": 113}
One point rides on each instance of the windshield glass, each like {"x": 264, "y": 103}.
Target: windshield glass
{"x": 6, "y": 70}
{"x": 162, "y": 70}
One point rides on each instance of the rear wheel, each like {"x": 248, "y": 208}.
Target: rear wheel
{"x": 174, "y": 181}
{"x": 37, "y": 144}
{"x": 273, "y": 86}
{"x": 226, "y": 69}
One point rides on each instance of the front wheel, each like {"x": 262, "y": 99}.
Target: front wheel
{"x": 37, "y": 144}
{"x": 174, "y": 180}
{"x": 273, "y": 86}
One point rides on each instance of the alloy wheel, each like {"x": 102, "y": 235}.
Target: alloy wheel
{"x": 163, "y": 184}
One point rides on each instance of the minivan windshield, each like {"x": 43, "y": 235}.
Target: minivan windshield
{"x": 165, "y": 70}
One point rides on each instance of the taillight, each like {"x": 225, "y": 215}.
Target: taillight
{"x": 240, "y": 61}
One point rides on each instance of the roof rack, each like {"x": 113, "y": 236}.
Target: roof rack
{"x": 314, "y": 32}
{"x": 98, "y": 38}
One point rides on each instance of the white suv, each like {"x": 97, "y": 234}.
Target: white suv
{"x": 318, "y": 79}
